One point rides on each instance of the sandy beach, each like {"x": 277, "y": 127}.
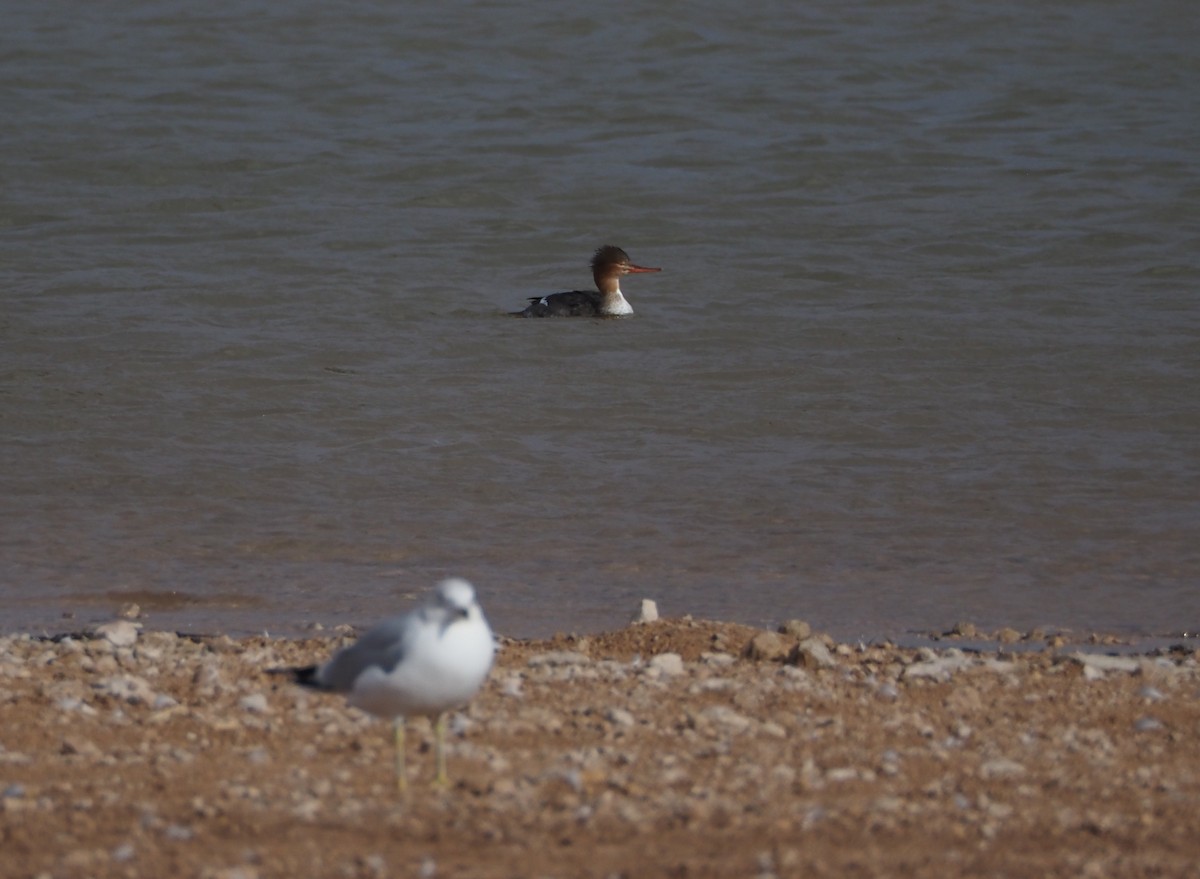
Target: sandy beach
{"x": 674, "y": 748}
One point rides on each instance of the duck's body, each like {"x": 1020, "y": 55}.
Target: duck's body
{"x": 608, "y": 265}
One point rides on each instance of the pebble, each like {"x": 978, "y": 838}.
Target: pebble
{"x": 619, "y": 716}
{"x": 558, "y": 658}
{"x": 647, "y": 612}
{"x": 812, "y": 653}
{"x": 766, "y": 647}
{"x": 938, "y": 668}
{"x": 73, "y": 703}
{"x": 725, "y": 717}
{"x": 511, "y": 686}
{"x": 841, "y": 773}
{"x": 888, "y": 691}
{"x": 119, "y": 633}
{"x": 669, "y": 664}
{"x": 256, "y": 703}
{"x": 1151, "y": 694}
{"x": 1103, "y": 663}
{"x": 1001, "y": 768}
{"x": 130, "y": 688}
{"x": 75, "y": 744}
{"x": 797, "y": 629}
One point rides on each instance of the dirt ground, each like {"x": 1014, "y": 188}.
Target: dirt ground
{"x": 659, "y": 750}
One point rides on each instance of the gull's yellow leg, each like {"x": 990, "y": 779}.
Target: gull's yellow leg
{"x": 401, "y": 774}
{"x": 439, "y": 745}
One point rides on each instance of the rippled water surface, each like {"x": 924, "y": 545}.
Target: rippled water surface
{"x": 926, "y": 343}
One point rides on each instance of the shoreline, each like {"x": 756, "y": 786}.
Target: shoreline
{"x": 674, "y": 747}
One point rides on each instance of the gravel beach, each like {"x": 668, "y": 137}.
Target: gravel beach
{"x": 672, "y": 748}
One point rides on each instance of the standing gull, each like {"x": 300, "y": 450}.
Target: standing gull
{"x": 426, "y": 662}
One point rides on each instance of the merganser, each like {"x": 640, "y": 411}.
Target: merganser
{"x": 608, "y": 265}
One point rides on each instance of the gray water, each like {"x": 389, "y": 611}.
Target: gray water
{"x": 925, "y": 347}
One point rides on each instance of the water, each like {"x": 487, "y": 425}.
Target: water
{"x": 925, "y": 347}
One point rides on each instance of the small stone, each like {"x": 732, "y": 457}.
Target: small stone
{"x": 255, "y": 703}
{"x": 766, "y": 646}
{"x": 558, "y": 657}
{"x": 726, "y": 717}
{"x": 1008, "y": 636}
{"x": 842, "y": 773}
{"x": 619, "y": 717}
{"x": 1104, "y": 663}
{"x": 119, "y": 633}
{"x": 797, "y": 629}
{"x": 178, "y": 833}
{"x": 812, "y": 653}
{"x": 669, "y": 664}
{"x": 888, "y": 691}
{"x": 130, "y": 688}
{"x": 73, "y": 703}
{"x": 1001, "y": 768}
{"x": 938, "y": 668}
{"x": 130, "y": 611}
{"x": 1151, "y": 694}
{"x": 75, "y": 744}
{"x": 240, "y": 872}
{"x": 773, "y": 730}
{"x": 647, "y": 612}
{"x": 964, "y": 630}
{"x": 1147, "y": 724}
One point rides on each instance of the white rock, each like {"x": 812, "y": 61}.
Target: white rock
{"x": 669, "y": 664}
{"x": 511, "y": 687}
{"x": 724, "y": 716}
{"x": 130, "y": 688}
{"x": 119, "y": 633}
{"x": 1001, "y": 768}
{"x": 256, "y": 703}
{"x": 812, "y": 653}
{"x": 647, "y": 612}
{"x": 1104, "y": 663}
{"x": 73, "y": 703}
{"x": 558, "y": 657}
{"x": 619, "y": 717}
{"x": 841, "y": 773}
{"x": 938, "y": 668}
{"x": 773, "y": 730}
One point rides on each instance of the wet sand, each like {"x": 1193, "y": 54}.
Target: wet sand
{"x": 673, "y": 748}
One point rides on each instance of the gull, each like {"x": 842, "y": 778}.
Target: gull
{"x": 424, "y": 663}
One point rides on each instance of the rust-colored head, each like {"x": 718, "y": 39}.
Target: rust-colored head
{"x": 609, "y": 263}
